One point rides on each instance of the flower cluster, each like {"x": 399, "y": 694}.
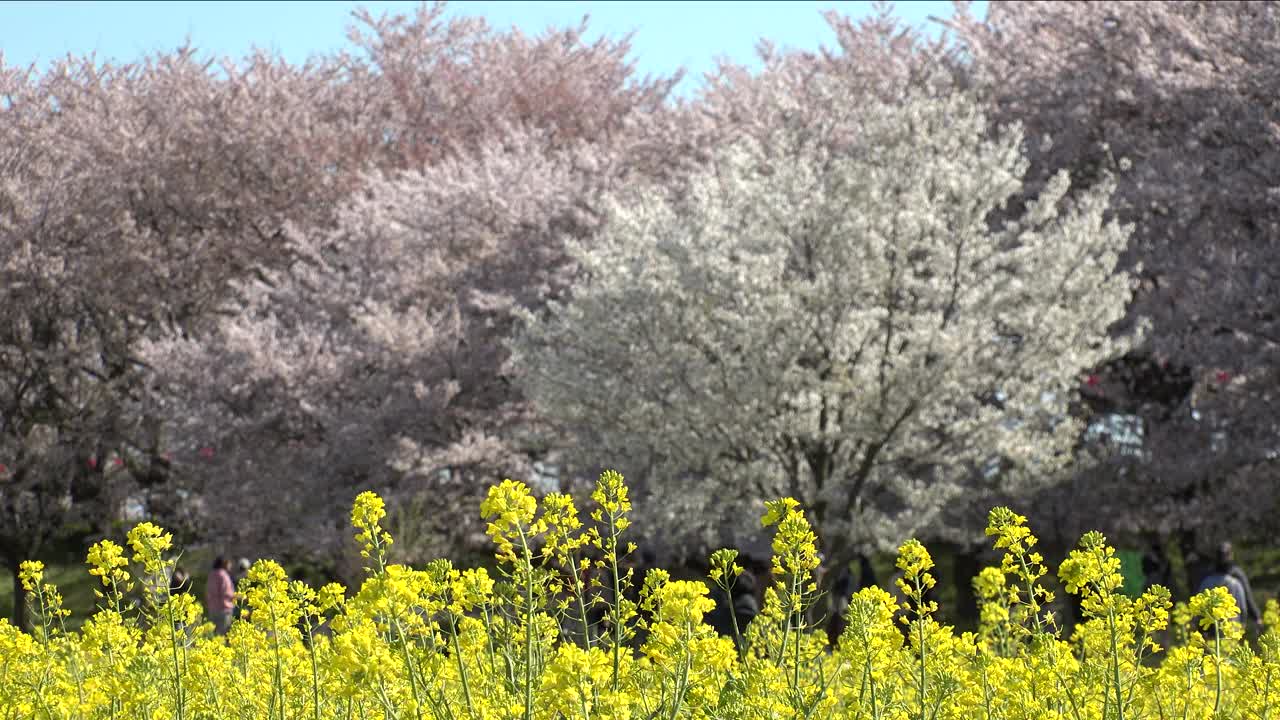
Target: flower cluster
{"x": 366, "y": 516}
{"x": 1027, "y": 597}
{"x": 510, "y": 509}
{"x": 541, "y": 643}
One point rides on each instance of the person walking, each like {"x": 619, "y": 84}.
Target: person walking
{"x": 237, "y": 575}
{"x": 1226, "y": 573}
{"x": 242, "y": 569}
{"x": 220, "y": 596}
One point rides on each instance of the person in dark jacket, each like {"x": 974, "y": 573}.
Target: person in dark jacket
{"x": 838, "y": 603}
{"x": 745, "y": 603}
{"x": 1226, "y": 573}
{"x": 180, "y": 581}
{"x": 1155, "y": 565}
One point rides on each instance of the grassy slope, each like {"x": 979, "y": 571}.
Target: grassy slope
{"x": 77, "y": 586}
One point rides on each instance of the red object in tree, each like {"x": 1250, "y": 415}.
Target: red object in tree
{"x": 3, "y": 468}
{"x": 1224, "y": 376}
{"x": 118, "y": 462}
{"x": 206, "y": 452}
{"x": 92, "y": 463}
{"x": 1092, "y": 381}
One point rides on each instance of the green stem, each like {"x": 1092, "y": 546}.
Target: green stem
{"x": 617, "y": 599}
{"x": 387, "y": 706}
{"x": 1115, "y": 664}
{"x": 923, "y": 649}
{"x": 1031, "y": 593}
{"x": 582, "y": 606}
{"x": 74, "y": 663}
{"x": 1217, "y": 668}
{"x": 1266, "y": 695}
{"x": 177, "y": 668}
{"x": 682, "y": 680}
{"x": 1186, "y": 700}
{"x": 409, "y": 667}
{"x": 278, "y": 680}
{"x": 488, "y": 628}
{"x": 733, "y": 616}
{"x": 986, "y": 694}
{"x": 528, "y": 628}
{"x": 462, "y": 667}
{"x": 871, "y": 681}
{"x": 797, "y": 600}
{"x": 315, "y": 672}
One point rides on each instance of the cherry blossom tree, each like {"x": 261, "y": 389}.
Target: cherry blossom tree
{"x": 1187, "y": 93}
{"x": 374, "y": 357}
{"x": 131, "y": 196}
{"x": 824, "y": 312}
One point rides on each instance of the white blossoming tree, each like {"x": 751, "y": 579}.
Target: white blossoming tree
{"x": 1189, "y": 92}
{"x": 839, "y": 325}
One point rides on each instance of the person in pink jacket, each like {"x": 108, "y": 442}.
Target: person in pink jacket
{"x": 220, "y": 596}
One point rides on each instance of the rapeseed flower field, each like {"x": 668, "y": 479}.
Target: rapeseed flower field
{"x": 565, "y": 630}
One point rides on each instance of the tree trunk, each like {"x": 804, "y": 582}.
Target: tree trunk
{"x": 19, "y": 596}
{"x": 966, "y": 562}
{"x": 1194, "y": 566}
{"x": 866, "y": 572}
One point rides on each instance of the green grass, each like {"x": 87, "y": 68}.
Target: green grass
{"x": 72, "y": 578}
{"x": 73, "y": 581}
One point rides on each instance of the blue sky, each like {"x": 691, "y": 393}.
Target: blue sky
{"x": 668, "y": 35}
